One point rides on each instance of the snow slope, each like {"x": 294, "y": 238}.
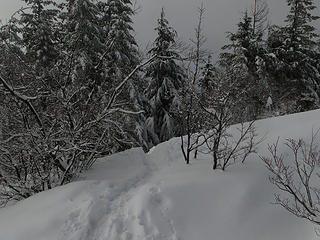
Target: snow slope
{"x": 155, "y": 196}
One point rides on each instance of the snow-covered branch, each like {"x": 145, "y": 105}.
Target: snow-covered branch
{"x": 23, "y": 98}
{"x": 117, "y": 90}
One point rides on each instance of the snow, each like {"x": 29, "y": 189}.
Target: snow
{"x": 155, "y": 196}
{"x": 269, "y": 102}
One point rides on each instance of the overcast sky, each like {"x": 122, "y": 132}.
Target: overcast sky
{"x": 221, "y": 16}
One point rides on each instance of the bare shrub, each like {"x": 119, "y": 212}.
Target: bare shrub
{"x": 296, "y": 175}
{"x": 226, "y": 148}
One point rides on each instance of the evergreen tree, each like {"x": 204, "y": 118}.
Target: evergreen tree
{"x": 166, "y": 78}
{"x": 82, "y": 45}
{"x": 39, "y": 33}
{"x": 208, "y": 74}
{"x": 240, "y": 48}
{"x": 300, "y": 33}
{"x": 56, "y": 130}
{"x": 293, "y": 49}
{"x": 120, "y": 58}
{"x": 121, "y": 48}
{"x": 244, "y": 52}
{"x": 36, "y": 32}
{"x": 84, "y": 40}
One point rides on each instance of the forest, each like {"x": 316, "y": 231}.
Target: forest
{"x": 75, "y": 86}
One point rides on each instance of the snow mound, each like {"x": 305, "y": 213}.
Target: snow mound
{"x": 155, "y": 196}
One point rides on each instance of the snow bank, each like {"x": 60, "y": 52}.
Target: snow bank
{"x": 138, "y": 196}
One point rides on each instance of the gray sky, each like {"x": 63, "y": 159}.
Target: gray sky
{"x": 221, "y": 16}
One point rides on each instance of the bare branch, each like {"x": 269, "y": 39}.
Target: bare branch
{"x": 296, "y": 177}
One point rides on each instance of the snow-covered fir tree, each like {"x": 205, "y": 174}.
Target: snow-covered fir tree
{"x": 166, "y": 77}
{"x": 64, "y": 126}
{"x": 121, "y": 48}
{"x": 83, "y": 39}
{"x": 120, "y": 58}
{"x": 293, "y": 50}
{"x": 240, "y": 44}
{"x": 206, "y": 81}
{"x": 38, "y": 31}
{"x": 299, "y": 29}
{"x": 244, "y": 50}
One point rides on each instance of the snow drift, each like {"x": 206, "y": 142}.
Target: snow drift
{"x": 138, "y": 196}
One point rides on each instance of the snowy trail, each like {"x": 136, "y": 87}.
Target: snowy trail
{"x": 103, "y": 205}
{"x": 156, "y": 196}
{"x": 109, "y": 211}
{"x": 139, "y": 212}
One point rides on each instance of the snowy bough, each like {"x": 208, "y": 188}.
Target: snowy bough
{"x": 62, "y": 107}
{"x": 44, "y": 151}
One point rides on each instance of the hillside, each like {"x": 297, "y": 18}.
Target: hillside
{"x": 155, "y": 196}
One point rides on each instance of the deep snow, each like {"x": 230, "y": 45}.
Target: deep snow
{"x": 155, "y": 196}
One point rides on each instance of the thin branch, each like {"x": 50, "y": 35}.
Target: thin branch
{"x": 23, "y": 98}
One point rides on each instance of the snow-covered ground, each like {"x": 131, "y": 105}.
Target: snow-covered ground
{"x": 155, "y": 196}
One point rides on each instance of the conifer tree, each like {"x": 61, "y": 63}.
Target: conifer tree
{"x": 120, "y": 58}
{"x": 300, "y": 45}
{"x": 293, "y": 48}
{"x": 38, "y": 31}
{"x": 207, "y": 79}
{"x": 300, "y": 33}
{"x": 121, "y": 47}
{"x": 166, "y": 77}
{"x": 84, "y": 39}
{"x": 55, "y": 131}
{"x": 243, "y": 52}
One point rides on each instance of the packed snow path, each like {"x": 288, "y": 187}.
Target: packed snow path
{"x": 104, "y": 215}
{"x": 155, "y": 196}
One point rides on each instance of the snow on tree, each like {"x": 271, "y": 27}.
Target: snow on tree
{"x": 223, "y": 105}
{"x": 166, "y": 77}
{"x": 243, "y": 51}
{"x": 293, "y": 48}
{"x": 83, "y": 39}
{"x": 208, "y": 73}
{"x": 38, "y": 32}
{"x": 121, "y": 54}
{"x": 189, "y": 115}
{"x": 57, "y": 130}
{"x": 119, "y": 59}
